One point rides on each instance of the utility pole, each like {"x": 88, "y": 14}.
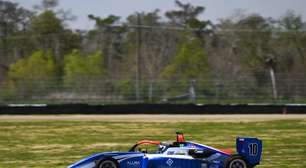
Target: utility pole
{"x": 270, "y": 63}
{"x": 138, "y": 60}
{"x": 192, "y": 92}
{"x": 57, "y": 46}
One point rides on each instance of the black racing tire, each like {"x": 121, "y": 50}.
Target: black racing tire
{"x": 107, "y": 163}
{"x": 236, "y": 161}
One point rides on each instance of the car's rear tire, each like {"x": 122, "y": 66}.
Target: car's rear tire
{"x": 236, "y": 162}
{"x": 108, "y": 163}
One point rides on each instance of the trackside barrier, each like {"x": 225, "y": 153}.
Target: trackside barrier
{"x": 28, "y": 109}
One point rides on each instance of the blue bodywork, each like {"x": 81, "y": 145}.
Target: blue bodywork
{"x": 179, "y": 155}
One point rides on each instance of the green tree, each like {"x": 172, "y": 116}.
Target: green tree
{"x": 293, "y": 37}
{"x": 186, "y": 14}
{"x": 256, "y": 49}
{"x": 188, "y": 66}
{"x": 31, "y": 76}
{"x": 47, "y": 5}
{"x": 290, "y": 48}
{"x": 253, "y": 47}
{"x": 254, "y": 41}
{"x": 47, "y": 29}
{"x": 47, "y": 23}
{"x": 191, "y": 62}
{"x": 150, "y": 49}
{"x": 13, "y": 21}
{"x": 107, "y": 39}
{"x": 84, "y": 72}
{"x": 49, "y": 33}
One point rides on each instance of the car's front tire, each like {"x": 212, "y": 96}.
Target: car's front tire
{"x": 108, "y": 163}
{"x": 236, "y": 162}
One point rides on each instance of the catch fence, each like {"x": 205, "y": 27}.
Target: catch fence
{"x": 239, "y": 89}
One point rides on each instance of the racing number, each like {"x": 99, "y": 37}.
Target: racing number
{"x": 253, "y": 149}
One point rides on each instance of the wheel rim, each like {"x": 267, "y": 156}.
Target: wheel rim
{"x": 108, "y": 164}
{"x": 238, "y": 163}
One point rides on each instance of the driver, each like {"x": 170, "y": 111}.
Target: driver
{"x": 163, "y": 146}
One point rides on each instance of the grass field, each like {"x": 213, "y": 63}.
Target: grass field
{"x": 58, "y": 143}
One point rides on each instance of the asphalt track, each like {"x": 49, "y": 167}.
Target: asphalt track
{"x": 153, "y": 118}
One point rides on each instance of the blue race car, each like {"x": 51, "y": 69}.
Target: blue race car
{"x": 179, "y": 154}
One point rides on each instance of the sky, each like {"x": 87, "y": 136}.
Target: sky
{"x": 215, "y": 9}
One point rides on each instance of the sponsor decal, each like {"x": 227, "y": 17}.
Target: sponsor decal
{"x": 133, "y": 163}
{"x": 125, "y": 157}
{"x": 169, "y": 162}
{"x": 170, "y": 153}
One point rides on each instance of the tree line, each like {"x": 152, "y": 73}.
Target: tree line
{"x": 38, "y": 51}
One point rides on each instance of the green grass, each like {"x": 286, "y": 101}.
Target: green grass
{"x": 51, "y": 144}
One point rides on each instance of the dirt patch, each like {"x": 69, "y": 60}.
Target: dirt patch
{"x": 153, "y": 118}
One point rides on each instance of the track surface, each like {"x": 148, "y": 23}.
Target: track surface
{"x": 56, "y": 141}
{"x": 155, "y": 118}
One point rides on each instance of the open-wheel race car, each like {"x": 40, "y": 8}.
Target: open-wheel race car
{"x": 179, "y": 154}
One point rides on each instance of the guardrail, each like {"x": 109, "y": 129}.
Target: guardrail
{"x": 43, "y": 109}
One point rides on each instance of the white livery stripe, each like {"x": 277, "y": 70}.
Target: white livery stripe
{"x": 209, "y": 147}
{"x": 151, "y": 156}
{"x": 129, "y": 156}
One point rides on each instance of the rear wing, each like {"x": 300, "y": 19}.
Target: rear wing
{"x": 250, "y": 149}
